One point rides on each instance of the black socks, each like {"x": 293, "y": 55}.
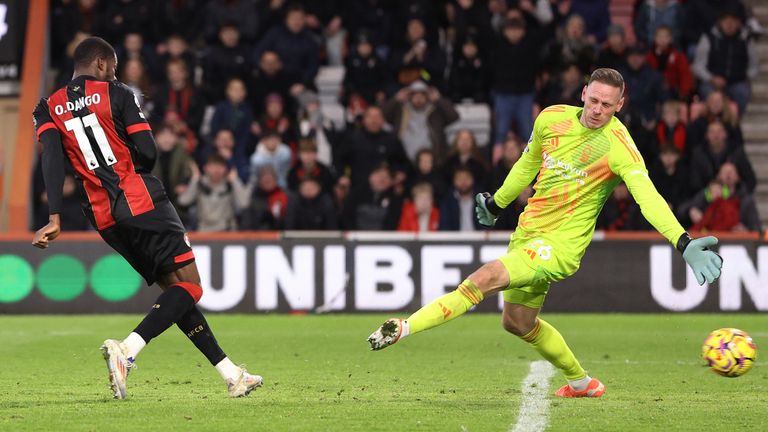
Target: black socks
{"x": 194, "y": 325}
{"x": 169, "y": 307}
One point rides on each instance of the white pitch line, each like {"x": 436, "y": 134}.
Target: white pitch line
{"x": 534, "y": 408}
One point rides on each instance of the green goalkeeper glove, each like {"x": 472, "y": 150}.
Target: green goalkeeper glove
{"x": 486, "y": 209}
{"x": 706, "y": 264}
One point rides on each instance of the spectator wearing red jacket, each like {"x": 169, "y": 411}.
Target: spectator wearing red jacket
{"x": 671, "y": 63}
{"x": 419, "y": 213}
{"x": 670, "y": 130}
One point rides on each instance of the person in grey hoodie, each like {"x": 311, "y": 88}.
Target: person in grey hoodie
{"x": 218, "y": 195}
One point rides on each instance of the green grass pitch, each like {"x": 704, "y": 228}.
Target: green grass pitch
{"x": 319, "y": 375}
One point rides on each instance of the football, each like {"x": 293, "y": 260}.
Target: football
{"x": 729, "y": 352}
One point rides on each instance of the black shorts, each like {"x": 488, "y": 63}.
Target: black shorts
{"x": 154, "y": 243}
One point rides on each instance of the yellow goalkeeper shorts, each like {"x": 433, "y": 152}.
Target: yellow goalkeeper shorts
{"x": 533, "y": 264}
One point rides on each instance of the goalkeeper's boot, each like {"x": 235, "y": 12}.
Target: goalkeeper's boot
{"x": 386, "y": 335}
{"x": 118, "y": 364}
{"x": 244, "y": 384}
{"x": 594, "y": 389}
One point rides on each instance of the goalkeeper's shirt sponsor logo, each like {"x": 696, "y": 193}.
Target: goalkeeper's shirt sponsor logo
{"x": 564, "y": 169}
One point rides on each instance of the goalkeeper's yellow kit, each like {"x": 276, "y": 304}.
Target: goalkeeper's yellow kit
{"x": 577, "y": 169}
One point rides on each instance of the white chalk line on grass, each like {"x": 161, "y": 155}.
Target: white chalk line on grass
{"x": 534, "y": 408}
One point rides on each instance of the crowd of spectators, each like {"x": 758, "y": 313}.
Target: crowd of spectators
{"x": 229, "y": 87}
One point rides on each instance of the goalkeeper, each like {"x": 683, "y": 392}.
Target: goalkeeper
{"x": 579, "y": 155}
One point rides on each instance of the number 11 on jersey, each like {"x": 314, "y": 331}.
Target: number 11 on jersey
{"x": 77, "y": 125}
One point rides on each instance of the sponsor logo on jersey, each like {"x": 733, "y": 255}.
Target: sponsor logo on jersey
{"x": 564, "y": 169}
{"x": 77, "y": 104}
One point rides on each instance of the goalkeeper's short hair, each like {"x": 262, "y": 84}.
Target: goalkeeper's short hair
{"x": 609, "y": 76}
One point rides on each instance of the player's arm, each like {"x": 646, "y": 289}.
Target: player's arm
{"x": 53, "y": 173}
{"x": 519, "y": 177}
{"x": 627, "y": 163}
{"x": 138, "y": 129}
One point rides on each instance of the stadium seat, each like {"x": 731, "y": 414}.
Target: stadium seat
{"x": 476, "y": 118}
{"x": 328, "y": 82}
{"x": 334, "y": 112}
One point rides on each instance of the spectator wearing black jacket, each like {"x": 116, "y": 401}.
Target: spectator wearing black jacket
{"x": 469, "y": 74}
{"x": 621, "y": 213}
{"x": 613, "y": 53}
{"x": 669, "y": 173}
{"x": 297, "y": 47}
{"x": 701, "y": 16}
{"x": 364, "y": 73}
{"x": 363, "y": 149}
{"x": 417, "y": 55}
{"x": 134, "y": 48}
{"x": 716, "y": 107}
{"x": 178, "y": 17}
{"x": 242, "y": 12}
{"x": 726, "y": 59}
{"x": 471, "y": 19}
{"x": 426, "y": 172}
{"x": 457, "y": 210}
{"x": 707, "y": 160}
{"x": 123, "y": 17}
{"x": 465, "y": 154}
{"x": 644, "y": 85}
{"x": 224, "y": 61}
{"x": 373, "y": 205}
{"x": 179, "y": 104}
{"x": 270, "y": 77}
{"x": 514, "y": 67}
{"x": 566, "y": 90}
{"x": 375, "y": 18}
{"x": 510, "y": 154}
{"x": 307, "y": 167}
{"x": 310, "y": 208}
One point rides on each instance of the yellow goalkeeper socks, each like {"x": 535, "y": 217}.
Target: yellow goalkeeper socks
{"x": 444, "y": 308}
{"x": 548, "y": 342}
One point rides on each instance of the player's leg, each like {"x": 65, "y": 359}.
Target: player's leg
{"x": 524, "y": 322}
{"x": 194, "y": 325}
{"x": 491, "y": 277}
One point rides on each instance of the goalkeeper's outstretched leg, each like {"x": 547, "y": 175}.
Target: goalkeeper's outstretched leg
{"x": 490, "y": 278}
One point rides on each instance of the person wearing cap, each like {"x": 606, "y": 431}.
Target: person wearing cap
{"x": 655, "y": 13}
{"x": 419, "y": 116}
{"x": 726, "y": 59}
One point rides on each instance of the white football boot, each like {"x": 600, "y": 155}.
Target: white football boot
{"x": 244, "y": 384}
{"x": 386, "y": 335}
{"x": 118, "y": 364}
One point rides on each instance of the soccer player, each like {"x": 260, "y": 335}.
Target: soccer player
{"x": 579, "y": 155}
{"x": 95, "y": 121}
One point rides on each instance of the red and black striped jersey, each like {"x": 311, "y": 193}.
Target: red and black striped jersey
{"x": 96, "y": 120}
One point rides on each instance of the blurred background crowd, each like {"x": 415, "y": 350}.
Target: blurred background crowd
{"x": 392, "y": 114}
